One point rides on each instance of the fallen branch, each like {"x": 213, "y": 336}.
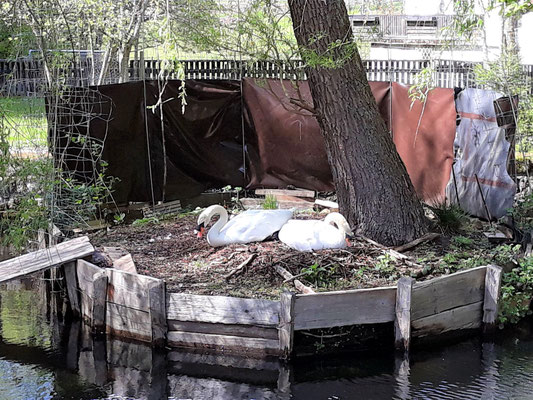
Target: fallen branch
{"x": 426, "y": 238}
{"x": 293, "y": 277}
{"x": 393, "y": 253}
{"x": 288, "y": 277}
{"x": 240, "y": 267}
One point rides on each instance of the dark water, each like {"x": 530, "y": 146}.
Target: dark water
{"x": 43, "y": 357}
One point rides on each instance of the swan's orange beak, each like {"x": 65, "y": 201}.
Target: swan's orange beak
{"x": 200, "y": 231}
{"x": 348, "y": 237}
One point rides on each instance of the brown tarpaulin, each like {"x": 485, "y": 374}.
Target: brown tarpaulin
{"x": 283, "y": 144}
{"x": 286, "y": 146}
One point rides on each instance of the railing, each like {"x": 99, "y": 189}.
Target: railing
{"x": 26, "y": 77}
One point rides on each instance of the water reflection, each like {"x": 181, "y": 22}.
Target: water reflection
{"x": 44, "y": 357}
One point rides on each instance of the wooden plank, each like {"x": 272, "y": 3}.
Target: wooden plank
{"x": 158, "y": 313}
{"x": 42, "y": 259}
{"x": 465, "y": 317}
{"x": 223, "y": 329}
{"x": 447, "y": 292}
{"x": 350, "y": 307}
{"x": 85, "y": 272}
{"x": 127, "y": 322}
{"x": 126, "y": 264}
{"x": 249, "y": 203}
{"x": 402, "y": 323}
{"x": 222, "y": 309}
{"x": 99, "y": 302}
{"x": 328, "y": 204}
{"x": 71, "y": 281}
{"x": 222, "y": 342}
{"x": 129, "y": 289}
{"x": 493, "y": 279}
{"x": 286, "y": 323}
{"x": 87, "y": 275}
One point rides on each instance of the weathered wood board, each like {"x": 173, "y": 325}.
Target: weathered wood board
{"x": 253, "y": 203}
{"x": 286, "y": 324}
{"x": 223, "y": 329}
{"x": 127, "y": 322}
{"x": 448, "y": 292}
{"x": 129, "y": 289}
{"x": 222, "y": 309}
{"x": 350, "y": 307}
{"x": 493, "y": 280}
{"x": 464, "y": 317}
{"x": 286, "y": 192}
{"x": 223, "y": 342}
{"x": 402, "y": 323}
{"x": 71, "y": 281}
{"x": 45, "y": 258}
{"x": 92, "y": 284}
{"x": 136, "y": 307}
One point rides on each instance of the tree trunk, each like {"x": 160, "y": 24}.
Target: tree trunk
{"x": 123, "y": 62}
{"x": 373, "y": 188}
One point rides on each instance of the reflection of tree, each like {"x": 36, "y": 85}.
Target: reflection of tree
{"x": 21, "y": 318}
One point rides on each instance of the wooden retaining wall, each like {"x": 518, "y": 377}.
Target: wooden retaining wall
{"x": 137, "y": 307}
{"x": 220, "y": 322}
{"x": 117, "y": 302}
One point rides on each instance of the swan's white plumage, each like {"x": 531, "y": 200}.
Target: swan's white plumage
{"x": 310, "y": 235}
{"x": 246, "y": 227}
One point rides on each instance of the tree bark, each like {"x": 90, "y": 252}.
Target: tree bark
{"x": 373, "y": 188}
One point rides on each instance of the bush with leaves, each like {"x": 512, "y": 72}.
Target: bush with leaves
{"x": 516, "y": 292}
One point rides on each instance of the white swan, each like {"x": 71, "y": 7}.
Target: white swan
{"x": 309, "y": 235}
{"x": 246, "y": 227}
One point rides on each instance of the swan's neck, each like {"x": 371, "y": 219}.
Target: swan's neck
{"x": 222, "y": 220}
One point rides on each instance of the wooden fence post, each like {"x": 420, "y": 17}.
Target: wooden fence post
{"x": 72, "y": 288}
{"x": 141, "y": 65}
{"x": 158, "y": 313}
{"x": 493, "y": 279}
{"x": 402, "y": 322}
{"x": 99, "y": 301}
{"x": 286, "y": 324}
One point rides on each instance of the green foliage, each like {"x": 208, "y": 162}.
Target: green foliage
{"x": 270, "y": 202}
{"x": 466, "y": 24}
{"x": 510, "y": 8}
{"x": 38, "y": 192}
{"x": 119, "y": 218}
{"x": 450, "y": 217}
{"x": 506, "y": 76}
{"x": 385, "y": 265}
{"x": 462, "y": 241}
{"x": 335, "y": 55}
{"x": 145, "y": 221}
{"x": 522, "y": 212}
{"x": 14, "y": 40}
{"x": 424, "y": 82}
{"x": 517, "y": 292}
{"x": 319, "y": 275}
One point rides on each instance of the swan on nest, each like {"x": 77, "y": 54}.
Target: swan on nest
{"x": 246, "y": 227}
{"x": 310, "y": 235}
